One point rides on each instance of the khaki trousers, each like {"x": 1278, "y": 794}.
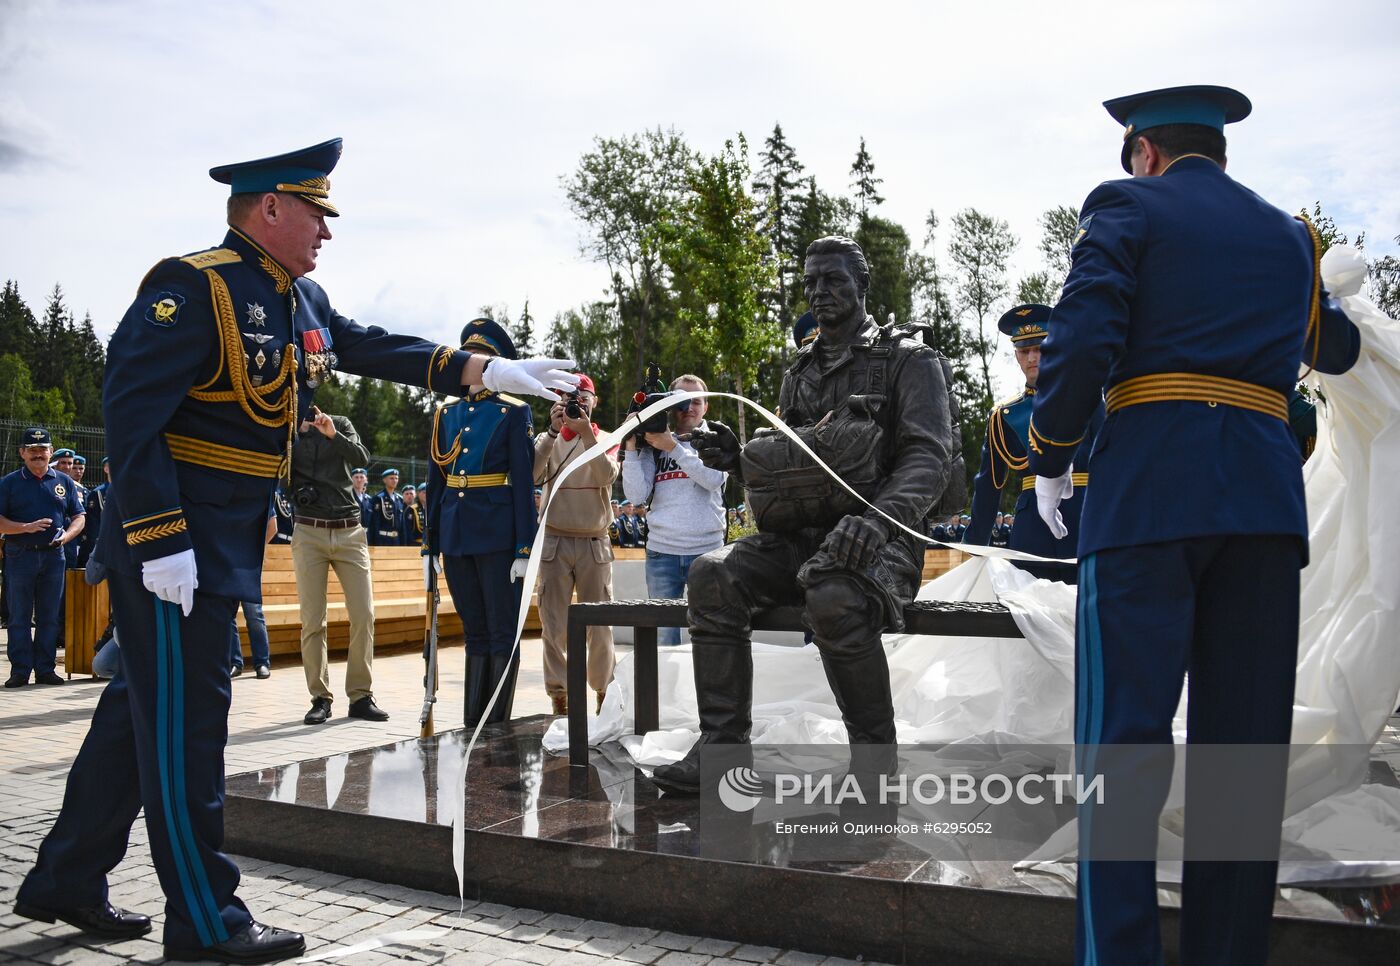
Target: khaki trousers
{"x": 314, "y": 549}
{"x": 566, "y": 564}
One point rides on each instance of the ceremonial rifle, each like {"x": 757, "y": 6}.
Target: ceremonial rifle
{"x": 430, "y": 633}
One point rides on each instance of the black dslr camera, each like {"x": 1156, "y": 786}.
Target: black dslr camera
{"x": 652, "y": 389}
{"x": 572, "y": 407}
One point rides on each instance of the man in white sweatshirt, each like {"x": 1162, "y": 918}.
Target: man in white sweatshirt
{"x": 686, "y": 498}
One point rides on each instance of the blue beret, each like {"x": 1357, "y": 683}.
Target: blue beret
{"x": 1026, "y": 324}
{"x": 423, "y": 485}
{"x": 302, "y": 173}
{"x": 1202, "y": 104}
{"x": 388, "y": 472}
{"x": 80, "y": 460}
{"x": 37, "y": 436}
{"x": 487, "y": 335}
{"x": 106, "y": 460}
{"x": 804, "y": 330}
{"x": 59, "y": 454}
{"x": 359, "y": 469}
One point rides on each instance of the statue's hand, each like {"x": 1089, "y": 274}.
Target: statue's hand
{"x": 855, "y": 541}
{"x": 718, "y": 449}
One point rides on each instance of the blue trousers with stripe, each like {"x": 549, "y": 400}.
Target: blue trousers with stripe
{"x": 156, "y": 740}
{"x": 1225, "y": 611}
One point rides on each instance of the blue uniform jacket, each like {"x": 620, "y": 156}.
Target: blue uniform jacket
{"x": 94, "y": 504}
{"x": 1004, "y": 454}
{"x": 1186, "y": 272}
{"x": 481, "y": 491}
{"x": 388, "y": 520}
{"x": 196, "y": 408}
{"x": 25, "y": 497}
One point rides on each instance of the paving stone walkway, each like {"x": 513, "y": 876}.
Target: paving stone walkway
{"x": 42, "y": 728}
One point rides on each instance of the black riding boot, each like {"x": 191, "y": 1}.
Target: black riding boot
{"x": 724, "y": 693}
{"x": 478, "y": 690}
{"x": 502, "y": 667}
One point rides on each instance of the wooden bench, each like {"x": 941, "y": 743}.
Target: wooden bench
{"x": 938, "y": 618}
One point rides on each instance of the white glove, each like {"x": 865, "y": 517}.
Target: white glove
{"x": 429, "y": 561}
{"x": 537, "y": 377}
{"x": 517, "y": 569}
{"x": 172, "y": 578}
{"x": 1049, "y": 491}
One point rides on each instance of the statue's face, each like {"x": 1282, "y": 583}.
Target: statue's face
{"x": 832, "y": 292}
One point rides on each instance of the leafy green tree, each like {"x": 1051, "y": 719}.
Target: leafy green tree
{"x": 865, "y": 183}
{"x": 777, "y": 186}
{"x": 1059, "y": 229}
{"x": 1328, "y": 231}
{"x": 714, "y": 251}
{"x": 980, "y": 248}
{"x": 1385, "y": 284}
{"x": 19, "y": 330}
{"x": 886, "y": 246}
{"x": 592, "y": 335}
{"x": 1038, "y": 287}
{"x": 22, "y": 400}
{"x": 622, "y": 190}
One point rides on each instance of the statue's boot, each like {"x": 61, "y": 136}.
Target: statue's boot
{"x": 724, "y": 693}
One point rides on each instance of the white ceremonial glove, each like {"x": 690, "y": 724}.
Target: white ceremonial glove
{"x": 537, "y": 377}
{"x": 172, "y": 578}
{"x": 429, "y": 561}
{"x": 517, "y": 570}
{"x": 1049, "y": 491}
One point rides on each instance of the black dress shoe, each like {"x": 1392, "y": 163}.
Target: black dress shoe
{"x": 255, "y": 943}
{"x": 47, "y": 677}
{"x": 367, "y": 709}
{"x": 15, "y": 680}
{"x": 320, "y": 711}
{"x": 264, "y": 672}
{"x": 105, "y": 920}
{"x": 235, "y": 670}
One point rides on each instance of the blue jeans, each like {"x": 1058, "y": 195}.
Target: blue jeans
{"x": 34, "y": 587}
{"x": 257, "y": 637}
{"x": 666, "y": 576}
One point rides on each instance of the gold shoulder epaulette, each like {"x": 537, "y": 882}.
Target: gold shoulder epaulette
{"x": 1012, "y": 401}
{"x": 511, "y": 399}
{"x": 213, "y": 257}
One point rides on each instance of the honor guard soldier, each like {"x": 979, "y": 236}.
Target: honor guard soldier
{"x": 481, "y": 518}
{"x": 413, "y": 517}
{"x": 1192, "y": 301}
{"x": 359, "y": 483}
{"x": 388, "y": 524}
{"x": 205, "y": 377}
{"x": 1005, "y": 452}
{"x": 626, "y": 525}
{"x": 96, "y": 502}
{"x": 40, "y": 517}
{"x": 74, "y": 551}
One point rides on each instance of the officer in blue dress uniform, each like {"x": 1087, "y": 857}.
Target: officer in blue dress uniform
{"x": 387, "y": 514}
{"x": 206, "y": 375}
{"x": 1004, "y": 453}
{"x": 40, "y": 516}
{"x": 1191, "y": 300}
{"x": 64, "y": 461}
{"x": 358, "y": 476}
{"x": 481, "y": 518}
{"x": 94, "y": 505}
{"x": 627, "y": 535}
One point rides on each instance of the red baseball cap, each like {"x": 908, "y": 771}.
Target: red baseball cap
{"x": 585, "y": 383}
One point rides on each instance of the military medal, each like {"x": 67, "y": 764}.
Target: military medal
{"x": 316, "y": 345}
{"x": 257, "y": 315}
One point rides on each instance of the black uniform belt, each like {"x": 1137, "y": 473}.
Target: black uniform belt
{"x": 327, "y": 524}
{"x": 1028, "y": 481}
{"x": 459, "y": 481}
{"x": 11, "y": 547}
{"x": 1193, "y": 387}
{"x": 201, "y": 452}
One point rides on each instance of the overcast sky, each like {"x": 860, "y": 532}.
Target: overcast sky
{"x": 459, "y": 120}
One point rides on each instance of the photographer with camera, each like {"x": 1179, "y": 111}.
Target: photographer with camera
{"x": 577, "y": 554}
{"x": 327, "y": 534}
{"x": 686, "y": 497}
